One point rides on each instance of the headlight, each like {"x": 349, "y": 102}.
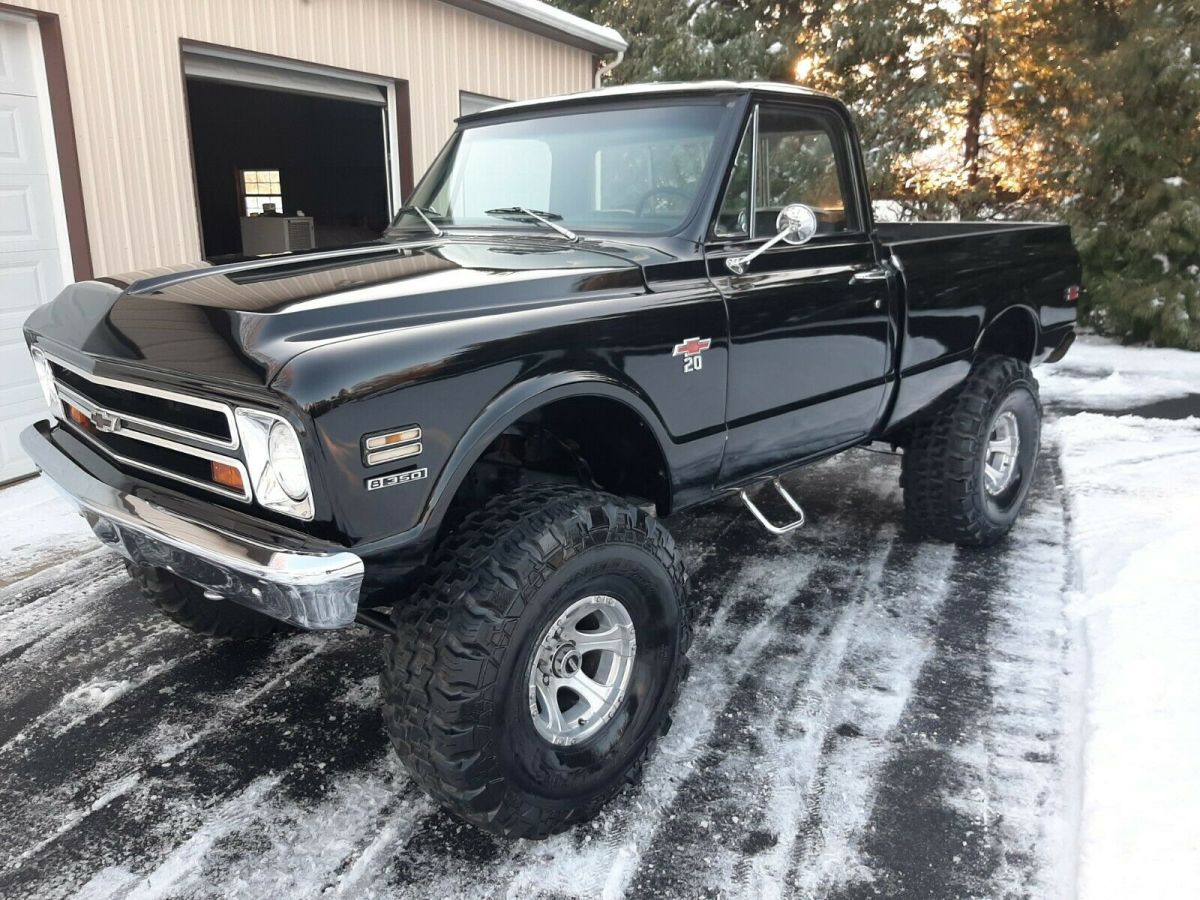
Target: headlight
{"x": 275, "y": 462}
{"x": 283, "y": 448}
{"x": 46, "y": 381}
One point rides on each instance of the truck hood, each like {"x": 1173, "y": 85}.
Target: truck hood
{"x": 241, "y": 323}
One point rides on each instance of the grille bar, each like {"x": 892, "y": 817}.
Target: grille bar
{"x": 122, "y": 433}
{"x": 79, "y": 379}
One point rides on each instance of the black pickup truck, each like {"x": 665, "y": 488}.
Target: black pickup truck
{"x": 594, "y": 312}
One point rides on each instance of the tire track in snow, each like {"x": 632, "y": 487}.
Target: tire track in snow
{"x": 214, "y": 747}
{"x": 827, "y": 799}
{"x": 963, "y": 803}
{"x": 734, "y": 778}
{"x": 745, "y": 808}
{"x": 88, "y": 649}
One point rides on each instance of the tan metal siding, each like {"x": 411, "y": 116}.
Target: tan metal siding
{"x": 127, "y": 93}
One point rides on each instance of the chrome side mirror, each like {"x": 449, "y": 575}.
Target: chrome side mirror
{"x": 797, "y": 224}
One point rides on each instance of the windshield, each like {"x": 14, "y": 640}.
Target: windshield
{"x": 618, "y": 170}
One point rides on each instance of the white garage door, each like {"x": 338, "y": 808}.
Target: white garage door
{"x": 31, "y": 267}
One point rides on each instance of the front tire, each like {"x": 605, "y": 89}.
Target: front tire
{"x": 537, "y": 591}
{"x": 966, "y": 472}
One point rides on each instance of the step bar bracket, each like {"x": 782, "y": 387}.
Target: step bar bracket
{"x": 767, "y": 523}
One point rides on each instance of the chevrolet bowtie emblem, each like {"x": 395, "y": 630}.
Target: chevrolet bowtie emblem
{"x": 690, "y": 349}
{"x": 106, "y": 422}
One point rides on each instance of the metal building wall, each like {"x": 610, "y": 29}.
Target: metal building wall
{"x": 128, "y": 100}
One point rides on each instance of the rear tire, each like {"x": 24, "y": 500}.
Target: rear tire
{"x": 185, "y": 604}
{"x": 967, "y": 471}
{"x": 463, "y": 680}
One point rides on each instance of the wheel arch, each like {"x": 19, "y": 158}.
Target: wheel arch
{"x": 530, "y": 397}
{"x": 1012, "y": 332}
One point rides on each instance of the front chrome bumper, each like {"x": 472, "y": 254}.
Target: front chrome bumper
{"x": 316, "y": 590}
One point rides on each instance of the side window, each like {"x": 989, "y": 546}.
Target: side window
{"x": 734, "y": 218}
{"x": 796, "y": 162}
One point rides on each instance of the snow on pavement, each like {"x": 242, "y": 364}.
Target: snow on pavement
{"x": 1134, "y": 500}
{"x": 1099, "y": 374}
{"x": 868, "y": 714}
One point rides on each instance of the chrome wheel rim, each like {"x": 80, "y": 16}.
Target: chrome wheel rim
{"x": 1000, "y": 459}
{"x": 581, "y": 669}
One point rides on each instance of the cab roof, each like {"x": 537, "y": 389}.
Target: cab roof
{"x": 639, "y": 91}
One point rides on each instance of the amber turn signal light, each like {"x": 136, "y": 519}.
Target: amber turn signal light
{"x": 79, "y": 417}
{"x": 228, "y": 476}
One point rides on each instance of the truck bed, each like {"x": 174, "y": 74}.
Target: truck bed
{"x": 956, "y": 278}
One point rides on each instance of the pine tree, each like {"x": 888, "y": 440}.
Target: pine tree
{"x": 682, "y": 40}
{"x": 1137, "y": 209}
{"x": 947, "y": 96}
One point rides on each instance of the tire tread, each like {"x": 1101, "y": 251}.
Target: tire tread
{"x": 440, "y": 677}
{"x": 939, "y": 471}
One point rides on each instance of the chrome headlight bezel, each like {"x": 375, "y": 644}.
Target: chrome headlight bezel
{"x": 45, "y": 377}
{"x": 254, "y": 429}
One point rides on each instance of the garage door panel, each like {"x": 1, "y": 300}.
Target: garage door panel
{"x": 25, "y": 280}
{"x": 31, "y": 270}
{"x": 16, "y": 59}
{"x": 26, "y": 213}
{"x": 21, "y": 404}
{"x": 21, "y": 150}
{"x": 13, "y": 461}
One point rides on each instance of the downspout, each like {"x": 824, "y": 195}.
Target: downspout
{"x": 605, "y": 68}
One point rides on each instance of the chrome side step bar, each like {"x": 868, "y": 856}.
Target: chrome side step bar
{"x": 765, "y": 522}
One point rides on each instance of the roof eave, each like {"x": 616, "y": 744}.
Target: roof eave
{"x": 540, "y": 18}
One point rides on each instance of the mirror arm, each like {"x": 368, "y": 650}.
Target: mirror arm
{"x": 738, "y": 264}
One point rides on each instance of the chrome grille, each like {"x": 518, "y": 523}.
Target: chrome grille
{"x": 148, "y": 427}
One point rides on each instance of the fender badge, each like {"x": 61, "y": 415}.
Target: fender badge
{"x": 385, "y": 481}
{"x": 690, "y": 349}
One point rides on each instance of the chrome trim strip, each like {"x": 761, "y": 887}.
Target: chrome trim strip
{"x": 314, "y": 588}
{"x": 90, "y": 409}
{"x": 400, "y": 451}
{"x": 374, "y": 441}
{"x": 187, "y": 399}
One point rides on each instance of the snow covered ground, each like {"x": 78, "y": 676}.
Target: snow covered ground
{"x": 1133, "y": 499}
{"x": 868, "y": 714}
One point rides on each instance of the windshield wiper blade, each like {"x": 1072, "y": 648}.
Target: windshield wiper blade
{"x": 422, "y": 212}
{"x": 537, "y": 215}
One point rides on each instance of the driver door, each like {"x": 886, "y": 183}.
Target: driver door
{"x": 810, "y": 325}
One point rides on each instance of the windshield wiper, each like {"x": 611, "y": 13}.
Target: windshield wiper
{"x": 423, "y": 213}
{"x": 537, "y": 215}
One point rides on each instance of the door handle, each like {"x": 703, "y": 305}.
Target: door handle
{"x": 868, "y": 275}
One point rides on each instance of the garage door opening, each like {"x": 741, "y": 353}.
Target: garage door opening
{"x": 291, "y": 169}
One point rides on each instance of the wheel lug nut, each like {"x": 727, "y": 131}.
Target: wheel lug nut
{"x": 545, "y": 679}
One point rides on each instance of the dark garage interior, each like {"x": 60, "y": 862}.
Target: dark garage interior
{"x": 330, "y": 155}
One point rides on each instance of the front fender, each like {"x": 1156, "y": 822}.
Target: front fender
{"x": 518, "y": 401}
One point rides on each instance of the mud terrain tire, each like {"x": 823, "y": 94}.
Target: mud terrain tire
{"x": 461, "y": 673}
{"x": 185, "y": 604}
{"x": 947, "y": 492}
